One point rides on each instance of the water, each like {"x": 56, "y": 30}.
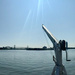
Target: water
{"x": 22, "y": 62}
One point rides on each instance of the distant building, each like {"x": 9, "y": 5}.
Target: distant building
{"x": 14, "y": 46}
{"x": 44, "y": 47}
{"x": 7, "y": 47}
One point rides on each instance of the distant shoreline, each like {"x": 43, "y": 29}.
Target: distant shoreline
{"x": 6, "y": 48}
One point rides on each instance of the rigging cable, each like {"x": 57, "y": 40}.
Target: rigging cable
{"x": 51, "y": 51}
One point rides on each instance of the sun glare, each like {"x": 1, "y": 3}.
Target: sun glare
{"x": 36, "y": 10}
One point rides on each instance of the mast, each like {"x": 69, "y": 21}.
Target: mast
{"x": 59, "y": 69}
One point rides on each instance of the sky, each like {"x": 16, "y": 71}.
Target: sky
{"x": 21, "y": 22}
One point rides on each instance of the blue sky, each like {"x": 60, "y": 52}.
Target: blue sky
{"x": 21, "y": 22}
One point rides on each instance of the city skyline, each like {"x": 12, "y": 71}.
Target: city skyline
{"x": 21, "y": 22}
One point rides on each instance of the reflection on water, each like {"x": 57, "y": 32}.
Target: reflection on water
{"x": 21, "y": 62}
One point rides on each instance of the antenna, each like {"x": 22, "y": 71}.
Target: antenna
{"x": 58, "y": 69}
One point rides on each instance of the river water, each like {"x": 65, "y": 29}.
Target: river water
{"x": 24, "y": 62}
